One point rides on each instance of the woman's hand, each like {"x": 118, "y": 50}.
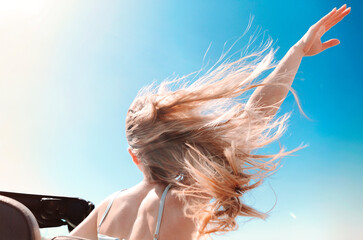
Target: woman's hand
{"x": 271, "y": 95}
{"x": 310, "y": 44}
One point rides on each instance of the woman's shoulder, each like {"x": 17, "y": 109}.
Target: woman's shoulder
{"x": 111, "y": 201}
{"x": 175, "y": 224}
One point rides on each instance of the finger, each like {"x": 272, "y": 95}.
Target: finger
{"x": 340, "y": 12}
{"x": 341, "y": 9}
{"x": 330, "y": 43}
{"x": 332, "y": 15}
{"x": 336, "y": 14}
{"x": 326, "y": 17}
{"x": 337, "y": 19}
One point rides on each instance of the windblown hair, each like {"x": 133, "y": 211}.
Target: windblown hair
{"x": 202, "y": 138}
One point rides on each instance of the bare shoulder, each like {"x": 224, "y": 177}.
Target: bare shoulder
{"x": 120, "y": 200}
{"x": 175, "y": 225}
{"x": 88, "y": 227}
{"x": 115, "y": 198}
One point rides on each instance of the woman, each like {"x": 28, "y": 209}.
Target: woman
{"x": 195, "y": 147}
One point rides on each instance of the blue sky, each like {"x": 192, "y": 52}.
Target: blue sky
{"x": 70, "y": 69}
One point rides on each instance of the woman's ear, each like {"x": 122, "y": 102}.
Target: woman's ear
{"x": 134, "y": 158}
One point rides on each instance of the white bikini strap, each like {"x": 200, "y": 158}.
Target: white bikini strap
{"x": 160, "y": 215}
{"x": 107, "y": 210}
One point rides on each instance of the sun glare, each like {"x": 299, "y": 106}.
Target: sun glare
{"x": 21, "y": 7}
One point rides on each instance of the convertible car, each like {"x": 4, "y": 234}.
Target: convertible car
{"x": 21, "y": 215}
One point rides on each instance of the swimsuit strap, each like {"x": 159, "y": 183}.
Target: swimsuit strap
{"x": 160, "y": 215}
{"x": 107, "y": 210}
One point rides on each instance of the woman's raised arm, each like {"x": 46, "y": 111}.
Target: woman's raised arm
{"x": 271, "y": 96}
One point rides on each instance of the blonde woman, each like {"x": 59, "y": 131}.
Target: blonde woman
{"x": 196, "y": 147}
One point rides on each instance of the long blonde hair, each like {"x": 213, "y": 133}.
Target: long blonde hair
{"x": 202, "y": 138}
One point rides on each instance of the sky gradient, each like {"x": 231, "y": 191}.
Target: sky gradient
{"x": 70, "y": 69}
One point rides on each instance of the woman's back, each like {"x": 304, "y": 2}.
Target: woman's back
{"x": 134, "y": 212}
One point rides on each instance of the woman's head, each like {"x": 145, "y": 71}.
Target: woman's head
{"x": 157, "y": 143}
{"x": 201, "y": 138}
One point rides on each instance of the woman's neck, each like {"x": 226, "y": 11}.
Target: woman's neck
{"x": 145, "y": 186}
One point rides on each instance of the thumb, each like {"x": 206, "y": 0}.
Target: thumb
{"x": 330, "y": 43}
